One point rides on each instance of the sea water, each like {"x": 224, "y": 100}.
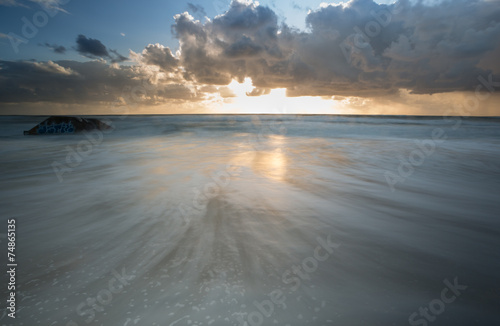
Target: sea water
{"x": 254, "y": 220}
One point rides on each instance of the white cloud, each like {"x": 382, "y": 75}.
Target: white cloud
{"x": 11, "y": 3}
{"x": 49, "y": 4}
{"x": 52, "y": 4}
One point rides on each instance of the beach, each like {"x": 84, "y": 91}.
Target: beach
{"x": 263, "y": 220}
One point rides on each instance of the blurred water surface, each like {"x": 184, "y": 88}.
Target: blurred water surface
{"x": 206, "y": 219}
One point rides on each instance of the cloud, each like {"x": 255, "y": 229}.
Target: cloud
{"x": 161, "y": 56}
{"x": 298, "y": 7}
{"x": 9, "y": 3}
{"x": 197, "y": 9}
{"x": 53, "y": 5}
{"x": 93, "y": 48}
{"x": 34, "y": 81}
{"x": 259, "y": 92}
{"x": 355, "y": 49}
{"x": 224, "y": 92}
{"x": 244, "y": 47}
{"x": 59, "y": 49}
{"x": 96, "y": 82}
{"x": 358, "y": 48}
{"x": 117, "y": 57}
{"x": 53, "y": 68}
{"x": 223, "y": 49}
{"x": 12, "y": 3}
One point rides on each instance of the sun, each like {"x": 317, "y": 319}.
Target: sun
{"x": 275, "y": 101}
{"x": 241, "y": 89}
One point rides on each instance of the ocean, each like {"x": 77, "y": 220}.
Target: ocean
{"x": 253, "y": 220}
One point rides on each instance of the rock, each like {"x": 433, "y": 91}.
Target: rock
{"x": 66, "y": 125}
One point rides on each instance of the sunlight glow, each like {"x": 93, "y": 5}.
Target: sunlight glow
{"x": 242, "y": 89}
{"x": 276, "y": 160}
{"x": 275, "y": 102}
{"x": 272, "y": 162}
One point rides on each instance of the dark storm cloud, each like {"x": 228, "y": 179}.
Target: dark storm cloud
{"x": 59, "y": 49}
{"x": 90, "y": 47}
{"x": 158, "y": 55}
{"x": 223, "y": 49}
{"x": 83, "y": 82}
{"x": 244, "y": 47}
{"x": 361, "y": 48}
{"x": 93, "y": 48}
{"x": 117, "y": 57}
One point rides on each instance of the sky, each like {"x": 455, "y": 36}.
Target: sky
{"x": 409, "y": 57}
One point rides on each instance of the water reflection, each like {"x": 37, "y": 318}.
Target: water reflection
{"x": 272, "y": 163}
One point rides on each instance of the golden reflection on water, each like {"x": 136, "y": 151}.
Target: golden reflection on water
{"x": 272, "y": 164}
{"x": 269, "y": 158}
